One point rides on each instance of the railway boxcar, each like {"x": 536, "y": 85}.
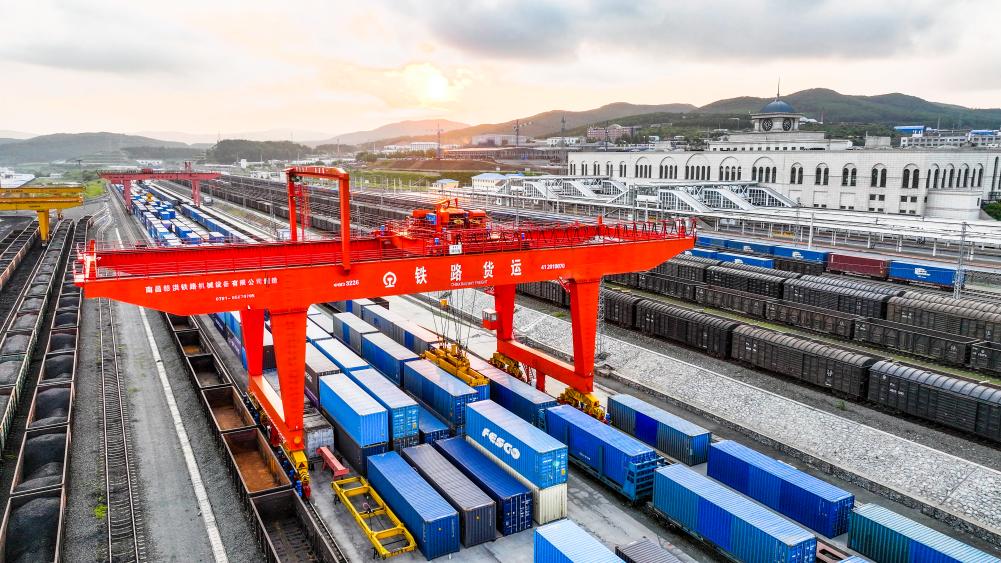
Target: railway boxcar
{"x": 921, "y": 273}
{"x": 817, "y": 319}
{"x": 664, "y": 285}
{"x": 942, "y": 347}
{"x": 549, "y": 291}
{"x": 982, "y": 325}
{"x": 689, "y": 268}
{"x": 883, "y": 535}
{"x": 804, "y": 360}
{"x": 875, "y": 268}
{"x": 882, "y": 288}
{"x": 682, "y": 440}
{"x": 957, "y": 403}
{"x": 709, "y": 333}
{"x": 620, "y": 308}
{"x": 949, "y": 300}
{"x": 804, "y": 267}
{"x": 566, "y": 542}
{"x": 749, "y": 304}
{"x": 742, "y": 280}
{"x": 844, "y": 299}
{"x": 986, "y": 356}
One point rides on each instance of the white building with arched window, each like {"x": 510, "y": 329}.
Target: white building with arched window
{"x": 818, "y": 172}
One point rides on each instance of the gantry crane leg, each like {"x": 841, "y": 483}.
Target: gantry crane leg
{"x": 43, "y": 225}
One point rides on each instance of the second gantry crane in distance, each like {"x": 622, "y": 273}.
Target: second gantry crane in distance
{"x": 411, "y": 256}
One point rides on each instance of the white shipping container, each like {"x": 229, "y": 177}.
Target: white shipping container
{"x": 317, "y": 432}
{"x": 548, "y": 504}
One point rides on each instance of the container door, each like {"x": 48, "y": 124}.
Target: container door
{"x": 646, "y": 429}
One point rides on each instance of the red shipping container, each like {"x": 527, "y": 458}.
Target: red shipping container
{"x": 859, "y": 265}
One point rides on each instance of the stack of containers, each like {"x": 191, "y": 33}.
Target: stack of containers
{"x": 675, "y": 436}
{"x": 737, "y": 526}
{"x": 477, "y": 511}
{"x": 439, "y": 390}
{"x": 415, "y": 338}
{"x": 816, "y": 504}
{"x": 433, "y": 523}
{"x": 883, "y": 535}
{"x": 341, "y": 355}
{"x": 609, "y": 454}
{"x": 566, "y": 542}
{"x": 517, "y": 396}
{"x": 315, "y": 333}
{"x": 430, "y": 427}
{"x": 403, "y": 411}
{"x": 317, "y": 365}
{"x": 535, "y": 458}
{"x": 353, "y": 306}
{"x": 361, "y": 424}
{"x": 386, "y": 355}
{"x": 512, "y": 499}
{"x": 349, "y": 328}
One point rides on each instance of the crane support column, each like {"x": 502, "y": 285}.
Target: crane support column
{"x": 43, "y": 225}
{"x": 584, "y": 317}
{"x": 127, "y": 193}
{"x": 196, "y": 193}
{"x": 504, "y": 305}
{"x": 289, "y": 331}
{"x": 252, "y": 326}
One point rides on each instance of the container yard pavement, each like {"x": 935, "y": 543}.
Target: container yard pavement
{"x": 963, "y": 493}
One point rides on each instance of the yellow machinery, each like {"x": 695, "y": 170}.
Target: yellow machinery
{"x": 367, "y": 507}
{"x": 582, "y": 401}
{"x": 452, "y": 358}
{"x": 42, "y": 200}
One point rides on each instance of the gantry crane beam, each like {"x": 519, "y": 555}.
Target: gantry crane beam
{"x": 126, "y": 177}
{"x": 42, "y": 200}
{"x": 285, "y": 278}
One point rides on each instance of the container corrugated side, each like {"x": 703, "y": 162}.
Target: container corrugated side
{"x": 314, "y": 333}
{"x": 517, "y": 396}
{"x": 350, "y": 328}
{"x": 385, "y": 321}
{"x": 548, "y": 504}
{"x": 356, "y": 455}
{"x": 678, "y": 438}
{"x": 386, "y": 355}
{"x": 513, "y": 500}
{"x": 802, "y": 254}
{"x": 317, "y": 365}
{"x": 403, "y": 412}
{"x": 477, "y": 511}
{"x": 439, "y": 390}
{"x": 349, "y": 405}
{"x": 885, "y": 536}
{"x": 566, "y": 542}
{"x": 645, "y": 551}
{"x": 432, "y": 521}
{"x": 810, "y": 501}
{"x": 611, "y": 453}
{"x": 742, "y": 529}
{"x": 316, "y": 432}
{"x": 922, "y": 273}
{"x": 430, "y": 427}
{"x": 341, "y": 355}
{"x": 531, "y": 452}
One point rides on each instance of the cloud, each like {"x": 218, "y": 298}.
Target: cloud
{"x": 719, "y": 30}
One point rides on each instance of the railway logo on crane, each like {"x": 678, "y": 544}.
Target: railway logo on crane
{"x": 389, "y": 279}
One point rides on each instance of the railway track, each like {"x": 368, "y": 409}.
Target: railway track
{"x": 325, "y": 533}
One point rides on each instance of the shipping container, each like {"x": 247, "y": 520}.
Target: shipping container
{"x": 517, "y": 396}
{"x": 317, "y": 432}
{"x": 566, "y": 542}
{"x": 645, "y": 551}
{"x": 535, "y": 455}
{"x": 885, "y": 536}
{"x": 745, "y": 259}
{"x": 548, "y": 504}
{"x": 710, "y": 242}
{"x": 386, "y": 355}
{"x": 614, "y": 457}
{"x": 701, "y": 253}
{"x": 432, "y": 521}
{"x": 341, "y": 355}
{"x": 513, "y": 500}
{"x": 750, "y": 247}
{"x": 361, "y": 416}
{"x": 349, "y": 328}
{"x": 477, "y": 511}
{"x": 922, "y": 273}
{"x": 355, "y": 455}
{"x": 439, "y": 390}
{"x": 876, "y": 268}
{"x": 812, "y": 502}
{"x": 678, "y": 438}
{"x": 735, "y": 525}
{"x": 431, "y": 428}
{"x": 801, "y": 254}
{"x": 403, "y": 412}
{"x": 317, "y": 365}
{"x": 942, "y": 347}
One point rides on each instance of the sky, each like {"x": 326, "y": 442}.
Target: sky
{"x": 313, "y": 67}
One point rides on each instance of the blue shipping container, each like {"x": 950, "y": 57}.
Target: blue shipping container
{"x": 680, "y": 439}
{"x": 748, "y": 246}
{"x": 885, "y": 536}
{"x": 436, "y": 388}
{"x": 802, "y": 254}
{"x": 314, "y": 333}
{"x": 810, "y": 501}
{"x": 432, "y": 521}
{"x": 613, "y": 455}
{"x": 402, "y": 409}
{"x": 924, "y": 273}
{"x": 514, "y": 500}
{"x": 360, "y": 415}
{"x": 340, "y": 354}
{"x": 742, "y": 529}
{"x": 386, "y": 355}
{"x": 517, "y": 396}
{"x": 431, "y": 428}
{"x": 710, "y": 242}
{"x": 349, "y": 329}
{"x": 701, "y": 252}
{"x": 533, "y": 454}
{"x": 744, "y": 259}
{"x": 566, "y": 542}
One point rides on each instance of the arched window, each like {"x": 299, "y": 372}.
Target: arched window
{"x": 792, "y": 175}
{"x": 882, "y": 178}
{"x": 935, "y": 183}
{"x": 906, "y": 179}
{"x": 994, "y": 176}
{"x": 966, "y": 177}
{"x": 827, "y": 173}
{"x": 915, "y": 179}
{"x": 844, "y": 176}
{"x": 754, "y": 174}
{"x": 775, "y": 174}
{"x": 721, "y": 177}
{"x": 573, "y": 169}
{"x": 952, "y": 176}
{"x": 875, "y": 178}
{"x": 818, "y": 176}
{"x": 583, "y": 169}
{"x": 854, "y": 178}
{"x": 622, "y": 169}
{"x": 738, "y": 172}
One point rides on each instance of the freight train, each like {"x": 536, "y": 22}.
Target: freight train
{"x": 971, "y": 407}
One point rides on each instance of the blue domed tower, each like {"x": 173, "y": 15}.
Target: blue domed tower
{"x": 776, "y": 117}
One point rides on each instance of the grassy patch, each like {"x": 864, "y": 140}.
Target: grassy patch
{"x": 93, "y": 188}
{"x": 100, "y": 511}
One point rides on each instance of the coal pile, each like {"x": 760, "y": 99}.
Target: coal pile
{"x": 51, "y": 407}
{"x": 58, "y": 366}
{"x": 68, "y": 301}
{"x": 26, "y": 322}
{"x": 34, "y": 304}
{"x": 9, "y": 371}
{"x": 67, "y": 318}
{"x": 43, "y": 278}
{"x": 32, "y": 531}
{"x": 60, "y": 342}
{"x": 42, "y": 465}
{"x": 15, "y": 344}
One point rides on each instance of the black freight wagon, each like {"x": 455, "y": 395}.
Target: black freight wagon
{"x": 845, "y": 299}
{"x": 689, "y": 268}
{"x": 708, "y": 333}
{"x": 748, "y": 304}
{"x": 784, "y": 274}
{"x": 620, "y": 308}
{"x": 881, "y": 288}
{"x": 943, "y": 347}
{"x": 986, "y": 356}
{"x": 802, "y": 267}
{"x": 804, "y": 360}
{"x": 827, "y": 321}
{"x": 949, "y": 401}
{"x": 741, "y": 280}
{"x": 672, "y": 287}
{"x": 982, "y": 325}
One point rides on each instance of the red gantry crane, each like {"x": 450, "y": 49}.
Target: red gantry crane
{"x": 126, "y": 177}
{"x": 430, "y": 251}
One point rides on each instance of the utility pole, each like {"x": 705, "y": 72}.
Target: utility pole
{"x": 957, "y": 281}
{"x": 517, "y": 132}
{"x": 438, "y": 127}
